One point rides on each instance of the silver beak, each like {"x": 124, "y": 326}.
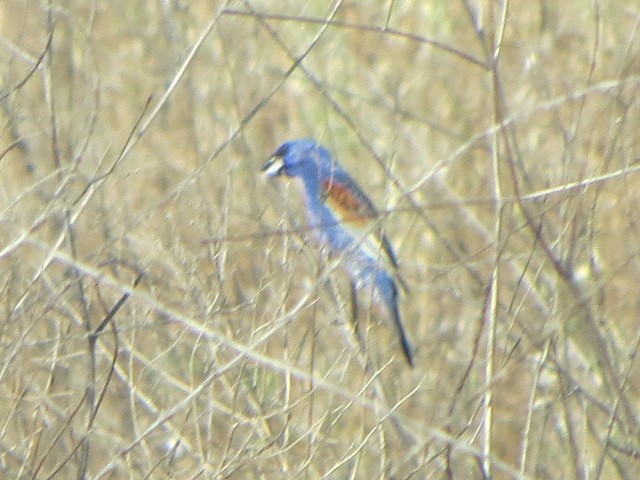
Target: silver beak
{"x": 274, "y": 167}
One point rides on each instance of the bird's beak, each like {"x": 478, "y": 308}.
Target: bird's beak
{"x": 274, "y": 167}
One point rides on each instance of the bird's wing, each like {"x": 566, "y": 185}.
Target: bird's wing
{"x": 357, "y": 214}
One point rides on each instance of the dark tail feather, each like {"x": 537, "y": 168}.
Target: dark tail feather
{"x": 390, "y": 292}
{"x": 407, "y": 349}
{"x": 387, "y": 289}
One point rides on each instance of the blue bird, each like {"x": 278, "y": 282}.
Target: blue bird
{"x": 344, "y": 219}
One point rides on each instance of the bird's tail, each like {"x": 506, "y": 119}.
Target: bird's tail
{"x": 407, "y": 349}
{"x": 389, "y": 293}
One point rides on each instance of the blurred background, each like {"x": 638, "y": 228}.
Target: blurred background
{"x": 164, "y": 314}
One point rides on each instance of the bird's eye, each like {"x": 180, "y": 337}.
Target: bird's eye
{"x": 281, "y": 151}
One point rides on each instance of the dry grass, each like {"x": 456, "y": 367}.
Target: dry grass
{"x": 164, "y": 316}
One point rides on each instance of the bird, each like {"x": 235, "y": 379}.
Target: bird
{"x": 344, "y": 219}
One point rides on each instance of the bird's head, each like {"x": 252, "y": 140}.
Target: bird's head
{"x": 303, "y": 158}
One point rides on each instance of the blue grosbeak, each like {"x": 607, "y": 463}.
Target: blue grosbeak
{"x": 345, "y": 220}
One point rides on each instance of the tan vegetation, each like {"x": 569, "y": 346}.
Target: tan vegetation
{"x": 165, "y": 316}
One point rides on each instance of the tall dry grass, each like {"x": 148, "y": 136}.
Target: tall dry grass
{"x": 165, "y": 316}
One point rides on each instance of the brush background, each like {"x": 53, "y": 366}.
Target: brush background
{"x": 233, "y": 357}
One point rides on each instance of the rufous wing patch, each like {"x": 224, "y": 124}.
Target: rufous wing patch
{"x": 348, "y": 204}
{"x": 356, "y": 214}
